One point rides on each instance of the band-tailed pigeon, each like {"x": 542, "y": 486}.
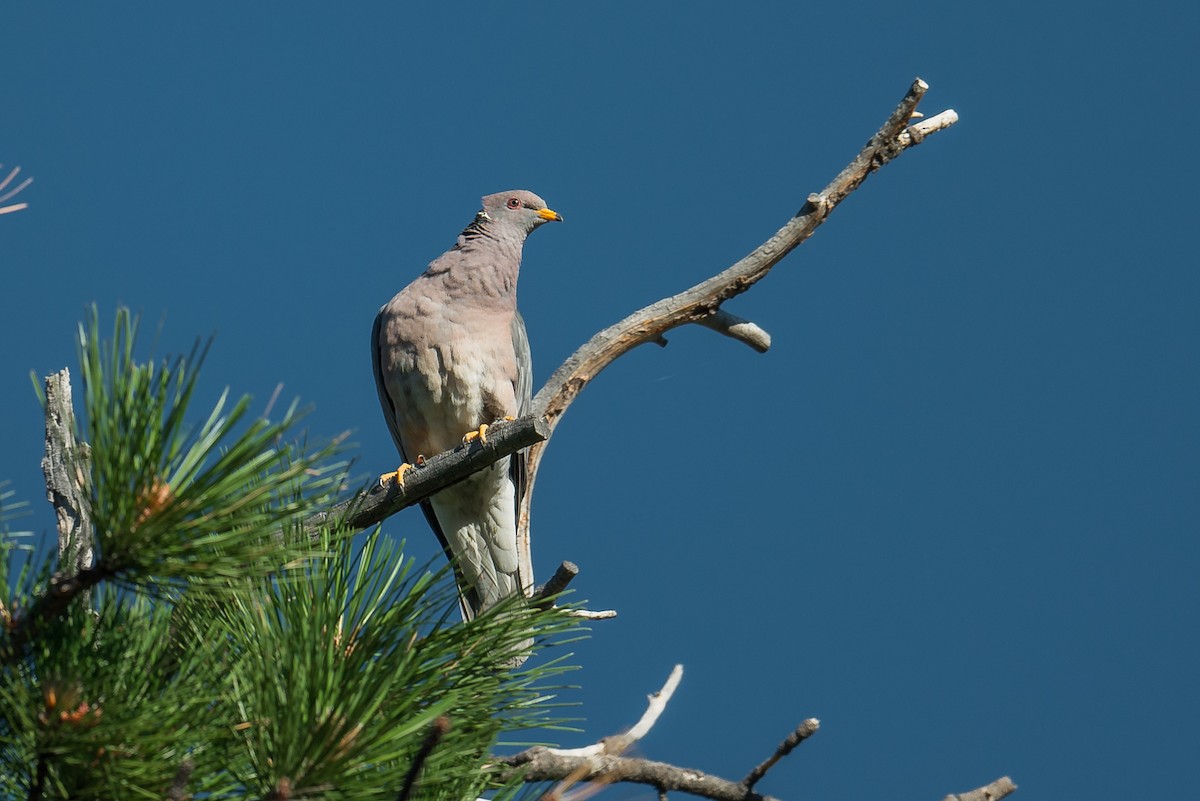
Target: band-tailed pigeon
{"x": 450, "y": 356}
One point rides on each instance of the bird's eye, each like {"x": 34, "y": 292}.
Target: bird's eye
{"x": 514, "y": 203}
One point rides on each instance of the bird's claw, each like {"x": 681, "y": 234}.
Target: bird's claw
{"x": 480, "y": 434}
{"x": 397, "y": 475}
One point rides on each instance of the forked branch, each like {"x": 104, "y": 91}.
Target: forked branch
{"x": 603, "y": 763}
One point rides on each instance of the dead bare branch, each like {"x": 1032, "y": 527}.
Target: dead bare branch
{"x": 702, "y": 303}
{"x": 805, "y": 730}
{"x": 603, "y": 763}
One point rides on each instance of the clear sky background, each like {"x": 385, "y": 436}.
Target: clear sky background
{"x": 953, "y": 513}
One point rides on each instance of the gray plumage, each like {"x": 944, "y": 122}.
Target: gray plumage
{"x": 450, "y": 354}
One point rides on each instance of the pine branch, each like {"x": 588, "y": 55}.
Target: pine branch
{"x": 63, "y": 589}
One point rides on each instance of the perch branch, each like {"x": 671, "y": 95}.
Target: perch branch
{"x": 377, "y": 503}
{"x": 702, "y": 303}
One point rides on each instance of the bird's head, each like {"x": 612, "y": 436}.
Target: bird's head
{"x": 519, "y": 209}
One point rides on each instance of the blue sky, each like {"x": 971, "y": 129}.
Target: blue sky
{"x": 953, "y": 513}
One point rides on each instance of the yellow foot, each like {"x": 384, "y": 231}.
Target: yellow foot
{"x": 480, "y": 435}
{"x": 397, "y": 476}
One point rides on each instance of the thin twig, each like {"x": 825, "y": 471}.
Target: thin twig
{"x": 437, "y": 730}
{"x": 13, "y": 192}
{"x": 61, "y": 590}
{"x": 805, "y": 730}
{"x": 610, "y": 746}
{"x": 654, "y": 709}
{"x": 40, "y": 769}
{"x": 619, "y": 743}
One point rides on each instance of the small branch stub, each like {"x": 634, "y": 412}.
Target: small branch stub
{"x": 989, "y": 792}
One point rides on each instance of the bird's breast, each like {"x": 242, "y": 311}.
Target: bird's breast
{"x": 451, "y": 379}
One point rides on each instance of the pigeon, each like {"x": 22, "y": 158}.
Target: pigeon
{"x": 451, "y": 356}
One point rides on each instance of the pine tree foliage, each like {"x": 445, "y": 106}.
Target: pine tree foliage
{"x": 215, "y": 650}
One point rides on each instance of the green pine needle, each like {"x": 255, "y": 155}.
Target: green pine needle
{"x": 223, "y": 644}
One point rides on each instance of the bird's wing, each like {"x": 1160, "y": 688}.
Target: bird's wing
{"x": 392, "y": 415}
{"x": 516, "y": 465}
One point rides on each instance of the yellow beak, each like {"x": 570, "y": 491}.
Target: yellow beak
{"x": 549, "y": 214}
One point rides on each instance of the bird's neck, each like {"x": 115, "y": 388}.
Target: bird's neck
{"x": 491, "y": 277}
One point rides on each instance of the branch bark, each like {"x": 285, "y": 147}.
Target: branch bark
{"x": 65, "y": 466}
{"x": 543, "y": 765}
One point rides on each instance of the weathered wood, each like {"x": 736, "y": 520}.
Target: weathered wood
{"x": 65, "y": 466}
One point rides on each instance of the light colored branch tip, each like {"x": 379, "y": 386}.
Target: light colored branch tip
{"x": 592, "y": 614}
{"x": 735, "y": 327}
{"x": 12, "y": 192}
{"x": 919, "y": 130}
{"x": 989, "y": 792}
{"x": 658, "y": 702}
{"x": 619, "y": 743}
